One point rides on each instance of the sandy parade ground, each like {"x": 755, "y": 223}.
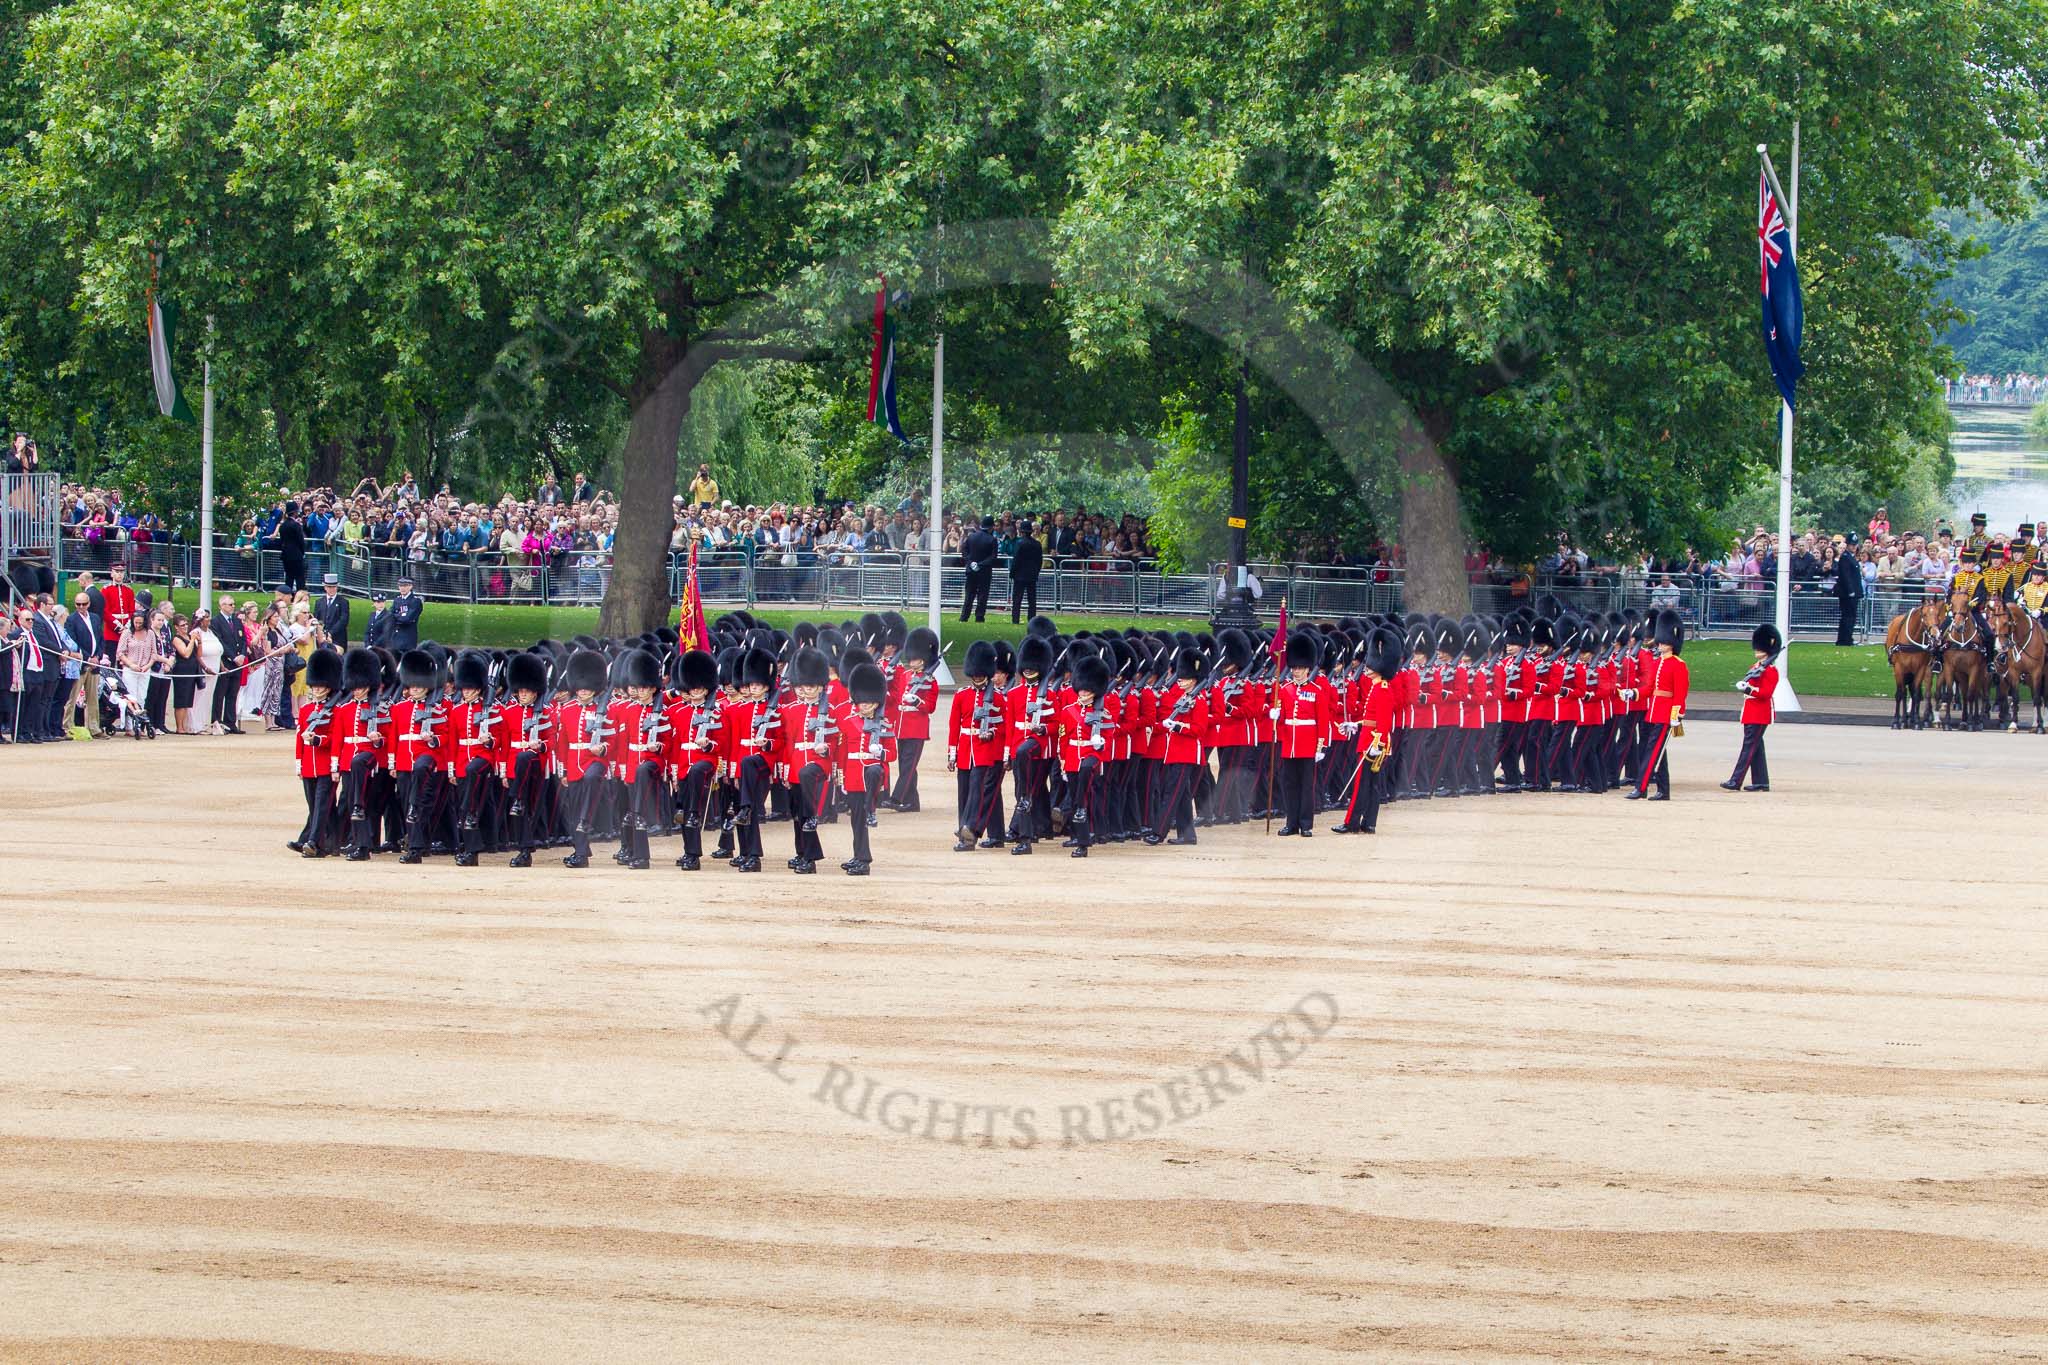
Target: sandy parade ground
{"x": 1563, "y": 1078}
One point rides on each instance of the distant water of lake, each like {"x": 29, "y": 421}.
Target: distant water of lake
{"x": 2001, "y": 471}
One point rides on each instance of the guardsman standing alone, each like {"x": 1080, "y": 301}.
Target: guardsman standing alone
{"x": 1306, "y": 719}
{"x": 1757, "y": 689}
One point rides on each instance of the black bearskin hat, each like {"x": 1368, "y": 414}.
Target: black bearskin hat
{"x": 1671, "y": 630}
{"x": 1383, "y": 653}
{"x": 809, "y": 669}
{"x": 642, "y": 669}
{"x": 1517, "y": 632}
{"x": 1006, "y": 659}
{"x": 1233, "y": 647}
{"x": 872, "y": 627}
{"x": 1041, "y": 625}
{"x": 853, "y": 658}
{"x": 1543, "y": 632}
{"x": 695, "y": 670}
{"x": 805, "y": 633}
{"x": 1091, "y": 675}
{"x": 417, "y": 668}
{"x": 361, "y": 667}
{"x": 1189, "y": 666}
{"x": 323, "y": 669}
{"x": 864, "y": 684}
{"x": 472, "y": 671}
{"x": 1301, "y": 652}
{"x": 587, "y": 671}
{"x": 921, "y": 644}
{"x": 981, "y": 660}
{"x": 1766, "y": 638}
{"x": 757, "y": 669}
{"x": 1034, "y": 655}
{"x": 527, "y": 673}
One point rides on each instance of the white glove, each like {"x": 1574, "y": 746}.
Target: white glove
{"x": 1095, "y": 741}
{"x": 1273, "y": 713}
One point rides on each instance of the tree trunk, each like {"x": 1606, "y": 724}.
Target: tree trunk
{"x": 1432, "y": 529}
{"x": 637, "y": 598}
{"x": 323, "y": 465}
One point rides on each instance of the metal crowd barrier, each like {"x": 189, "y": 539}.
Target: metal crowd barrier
{"x": 873, "y": 580}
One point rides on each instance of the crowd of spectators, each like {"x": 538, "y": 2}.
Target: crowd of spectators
{"x": 115, "y": 660}
{"x": 568, "y": 530}
{"x": 1996, "y": 388}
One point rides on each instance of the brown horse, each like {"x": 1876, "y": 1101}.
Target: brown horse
{"x": 1965, "y": 676}
{"x": 2024, "y": 649}
{"x": 1909, "y": 644}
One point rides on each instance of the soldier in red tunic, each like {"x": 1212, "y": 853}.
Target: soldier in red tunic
{"x": 317, "y": 753}
{"x": 1028, "y": 719}
{"x": 1758, "y": 688}
{"x": 581, "y": 739}
{"x": 694, "y": 723}
{"x": 1085, "y": 730}
{"x": 914, "y": 696}
{"x": 978, "y": 736}
{"x": 1375, "y": 731}
{"x": 520, "y": 732}
{"x": 806, "y": 753}
{"x": 1306, "y": 722}
{"x": 860, "y": 756}
{"x": 415, "y": 748}
{"x": 752, "y": 725}
{"x": 1668, "y": 683}
{"x": 639, "y": 726}
{"x": 1183, "y": 721}
{"x": 359, "y": 728}
{"x": 467, "y": 748}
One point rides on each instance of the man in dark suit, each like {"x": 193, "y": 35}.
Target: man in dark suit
{"x": 1025, "y": 562}
{"x": 82, "y": 634}
{"x": 331, "y": 611}
{"x": 291, "y": 548}
{"x": 978, "y": 556}
{"x": 234, "y": 654}
{"x": 1848, "y": 592}
{"x": 1061, "y": 540}
{"x": 405, "y": 618}
{"x": 45, "y": 678}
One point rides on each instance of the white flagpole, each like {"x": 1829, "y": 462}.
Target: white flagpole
{"x": 206, "y": 479}
{"x": 936, "y": 523}
{"x": 1785, "y": 699}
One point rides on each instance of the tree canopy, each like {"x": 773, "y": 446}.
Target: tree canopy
{"x": 1490, "y": 264}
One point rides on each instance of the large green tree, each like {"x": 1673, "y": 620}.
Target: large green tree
{"x": 1536, "y": 221}
{"x": 633, "y": 187}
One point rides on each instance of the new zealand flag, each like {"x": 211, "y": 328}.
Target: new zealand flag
{"x": 1783, "y": 311}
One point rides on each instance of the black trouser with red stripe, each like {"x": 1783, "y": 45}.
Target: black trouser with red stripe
{"x": 420, "y": 786}
{"x": 1080, "y": 801}
{"x": 1751, "y": 760}
{"x": 806, "y": 807}
{"x": 693, "y": 802}
{"x": 525, "y": 810}
{"x": 1298, "y": 792}
{"x": 981, "y": 805}
{"x": 1364, "y": 811}
{"x": 1173, "y": 810}
{"x": 857, "y": 813}
{"x": 319, "y": 829}
{"x": 908, "y": 752}
{"x": 1654, "y": 764}
{"x": 579, "y": 804}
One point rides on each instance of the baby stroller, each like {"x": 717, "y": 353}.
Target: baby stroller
{"x": 121, "y": 712}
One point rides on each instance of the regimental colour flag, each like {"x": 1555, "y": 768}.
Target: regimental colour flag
{"x": 691, "y": 630}
{"x": 1783, "y": 310}
{"x": 882, "y": 365}
{"x": 163, "y": 323}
